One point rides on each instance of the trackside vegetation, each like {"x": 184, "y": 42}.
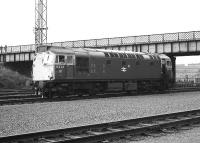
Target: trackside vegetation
{"x": 12, "y": 79}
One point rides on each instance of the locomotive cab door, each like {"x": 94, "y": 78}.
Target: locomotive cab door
{"x": 70, "y": 61}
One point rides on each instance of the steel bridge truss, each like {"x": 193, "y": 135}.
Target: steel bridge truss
{"x": 169, "y": 43}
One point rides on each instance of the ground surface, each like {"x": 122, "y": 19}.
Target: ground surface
{"x": 18, "y": 119}
{"x": 189, "y": 136}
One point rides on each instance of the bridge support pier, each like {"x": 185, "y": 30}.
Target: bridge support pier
{"x": 173, "y": 59}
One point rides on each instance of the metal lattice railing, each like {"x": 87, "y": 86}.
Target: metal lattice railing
{"x": 117, "y": 41}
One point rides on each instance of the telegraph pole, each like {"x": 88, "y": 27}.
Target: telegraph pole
{"x": 40, "y": 23}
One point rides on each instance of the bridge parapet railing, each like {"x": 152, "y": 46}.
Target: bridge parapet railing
{"x": 17, "y": 49}
{"x": 116, "y": 41}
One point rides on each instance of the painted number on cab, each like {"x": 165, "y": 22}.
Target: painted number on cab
{"x": 60, "y": 67}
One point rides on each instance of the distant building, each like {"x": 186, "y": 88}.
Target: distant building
{"x": 188, "y": 73}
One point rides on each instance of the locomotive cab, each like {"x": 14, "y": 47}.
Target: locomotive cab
{"x": 166, "y": 67}
{"x": 52, "y": 66}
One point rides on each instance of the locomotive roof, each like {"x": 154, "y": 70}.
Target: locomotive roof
{"x": 86, "y": 50}
{"x": 61, "y": 50}
{"x": 163, "y": 56}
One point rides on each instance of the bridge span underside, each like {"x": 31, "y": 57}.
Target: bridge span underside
{"x": 172, "y": 44}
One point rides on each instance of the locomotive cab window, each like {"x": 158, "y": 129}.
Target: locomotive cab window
{"x": 69, "y": 60}
{"x": 169, "y": 63}
{"x": 123, "y": 63}
{"x": 60, "y": 59}
{"x": 106, "y": 54}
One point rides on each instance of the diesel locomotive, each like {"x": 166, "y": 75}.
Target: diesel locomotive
{"x": 59, "y": 71}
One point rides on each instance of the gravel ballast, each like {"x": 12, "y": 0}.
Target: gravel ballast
{"x": 188, "y": 136}
{"x": 18, "y": 119}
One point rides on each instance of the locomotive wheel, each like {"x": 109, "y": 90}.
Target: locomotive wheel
{"x": 92, "y": 92}
{"x": 46, "y": 92}
{"x": 36, "y": 90}
{"x": 79, "y": 92}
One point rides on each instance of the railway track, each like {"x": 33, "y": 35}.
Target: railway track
{"x": 129, "y": 130}
{"x": 21, "y": 97}
{"x": 15, "y": 96}
{"x": 6, "y": 90}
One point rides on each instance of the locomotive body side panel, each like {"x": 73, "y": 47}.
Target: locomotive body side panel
{"x": 97, "y": 66}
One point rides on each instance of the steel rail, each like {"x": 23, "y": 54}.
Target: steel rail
{"x": 21, "y": 100}
{"x": 106, "y": 131}
{"x": 29, "y": 99}
{"x": 14, "y": 93}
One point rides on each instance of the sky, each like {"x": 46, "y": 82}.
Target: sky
{"x": 70, "y": 20}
